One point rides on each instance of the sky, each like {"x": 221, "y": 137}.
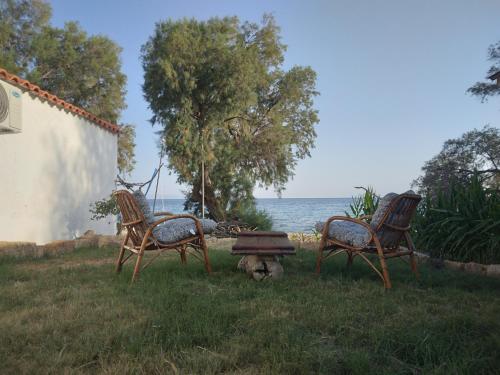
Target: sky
{"x": 392, "y": 77}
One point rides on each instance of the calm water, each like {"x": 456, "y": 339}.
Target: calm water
{"x": 289, "y": 214}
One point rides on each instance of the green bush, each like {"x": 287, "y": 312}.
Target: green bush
{"x": 364, "y": 204}
{"x": 249, "y": 214}
{"x": 104, "y": 208}
{"x": 461, "y": 223}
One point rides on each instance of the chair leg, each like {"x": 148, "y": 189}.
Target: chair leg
{"x": 319, "y": 258}
{"x": 183, "y": 254}
{"x": 413, "y": 260}
{"x": 119, "y": 263}
{"x": 204, "y": 247}
{"x": 137, "y": 268}
{"x": 350, "y": 258}
{"x": 413, "y": 263}
{"x": 383, "y": 264}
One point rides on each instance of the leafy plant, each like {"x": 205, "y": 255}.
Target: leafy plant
{"x": 364, "y": 204}
{"x": 258, "y": 219}
{"x": 104, "y": 208}
{"x": 461, "y": 223}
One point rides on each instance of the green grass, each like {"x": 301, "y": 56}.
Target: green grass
{"x": 73, "y": 314}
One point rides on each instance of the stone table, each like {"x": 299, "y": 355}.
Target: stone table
{"x": 261, "y": 252}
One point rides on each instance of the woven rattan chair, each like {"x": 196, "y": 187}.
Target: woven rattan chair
{"x": 141, "y": 235}
{"x": 389, "y": 226}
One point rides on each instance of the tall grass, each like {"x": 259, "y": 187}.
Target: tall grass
{"x": 461, "y": 223}
{"x": 73, "y": 314}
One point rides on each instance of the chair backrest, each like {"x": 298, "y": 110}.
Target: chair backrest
{"x": 132, "y": 216}
{"x": 394, "y": 219}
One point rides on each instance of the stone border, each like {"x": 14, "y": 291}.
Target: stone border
{"x": 491, "y": 270}
{"x": 300, "y": 240}
{"x": 309, "y": 241}
{"x": 31, "y": 249}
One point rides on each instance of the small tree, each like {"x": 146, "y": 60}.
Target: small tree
{"x": 218, "y": 90}
{"x": 477, "y": 152}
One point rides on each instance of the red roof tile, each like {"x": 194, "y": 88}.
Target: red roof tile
{"x": 11, "y": 78}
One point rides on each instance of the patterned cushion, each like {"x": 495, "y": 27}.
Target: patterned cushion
{"x": 179, "y": 229}
{"x": 144, "y": 206}
{"x": 346, "y": 231}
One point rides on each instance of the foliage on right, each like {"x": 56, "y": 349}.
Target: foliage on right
{"x": 459, "y": 218}
{"x": 487, "y": 89}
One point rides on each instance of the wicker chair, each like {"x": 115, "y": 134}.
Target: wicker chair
{"x": 141, "y": 235}
{"x": 389, "y": 226}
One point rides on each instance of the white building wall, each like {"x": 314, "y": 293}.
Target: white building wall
{"x": 51, "y": 172}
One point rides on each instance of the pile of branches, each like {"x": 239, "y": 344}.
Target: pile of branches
{"x": 231, "y": 229}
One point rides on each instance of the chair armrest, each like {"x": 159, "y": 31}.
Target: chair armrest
{"x": 364, "y": 217}
{"x": 163, "y": 213}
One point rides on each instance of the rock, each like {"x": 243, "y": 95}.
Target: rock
{"x": 58, "y": 247}
{"x": 18, "y": 248}
{"x": 247, "y": 262}
{"x": 274, "y": 269}
{"x": 475, "y": 268}
{"x": 86, "y": 242}
{"x": 109, "y": 241}
{"x": 454, "y": 265}
{"x": 493, "y": 270}
{"x": 261, "y": 267}
{"x": 89, "y": 233}
{"x": 435, "y": 262}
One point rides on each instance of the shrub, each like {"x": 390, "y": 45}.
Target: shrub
{"x": 104, "y": 208}
{"x": 249, "y": 214}
{"x": 461, "y": 223}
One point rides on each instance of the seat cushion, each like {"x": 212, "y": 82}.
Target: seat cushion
{"x": 143, "y": 203}
{"x": 179, "y": 229}
{"x": 346, "y": 231}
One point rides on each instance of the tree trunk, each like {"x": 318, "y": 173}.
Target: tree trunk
{"x": 213, "y": 205}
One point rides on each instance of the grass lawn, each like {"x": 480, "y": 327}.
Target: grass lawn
{"x": 73, "y": 314}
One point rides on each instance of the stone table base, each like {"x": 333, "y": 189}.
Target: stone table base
{"x": 260, "y": 267}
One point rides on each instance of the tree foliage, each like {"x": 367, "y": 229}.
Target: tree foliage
{"x": 20, "y": 22}
{"x": 487, "y": 89}
{"x": 126, "y": 148}
{"x": 219, "y": 92}
{"x": 475, "y": 152}
{"x": 83, "y": 70}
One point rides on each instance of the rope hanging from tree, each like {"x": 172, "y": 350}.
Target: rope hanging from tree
{"x": 140, "y": 185}
{"x": 156, "y": 174}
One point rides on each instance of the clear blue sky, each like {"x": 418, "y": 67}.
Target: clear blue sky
{"x": 392, "y": 76}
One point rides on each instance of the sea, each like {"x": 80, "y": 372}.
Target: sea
{"x": 288, "y": 214}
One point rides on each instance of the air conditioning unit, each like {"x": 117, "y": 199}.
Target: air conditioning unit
{"x": 10, "y": 108}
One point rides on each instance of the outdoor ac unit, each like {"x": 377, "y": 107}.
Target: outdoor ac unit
{"x": 10, "y": 108}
